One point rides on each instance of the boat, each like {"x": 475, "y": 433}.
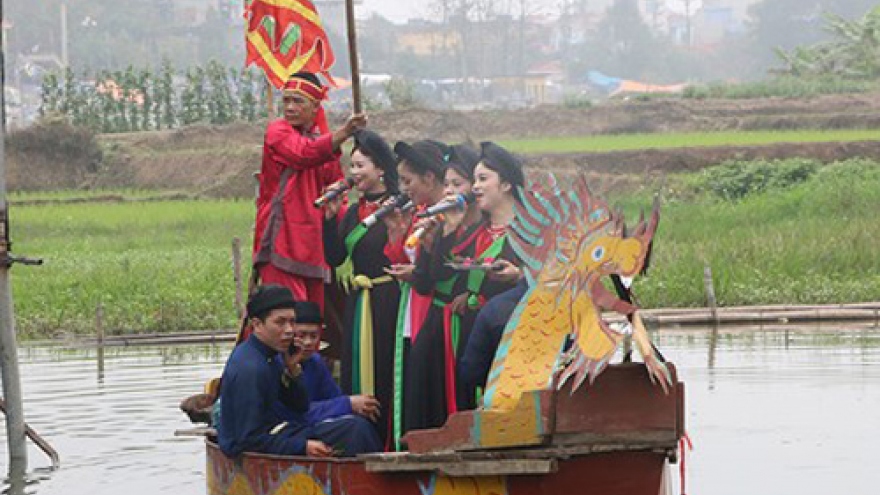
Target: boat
{"x": 617, "y": 435}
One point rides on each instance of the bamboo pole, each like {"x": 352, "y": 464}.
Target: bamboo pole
{"x": 711, "y": 301}
{"x": 270, "y": 100}
{"x": 99, "y": 330}
{"x": 15, "y": 425}
{"x": 236, "y": 275}
{"x": 353, "y": 57}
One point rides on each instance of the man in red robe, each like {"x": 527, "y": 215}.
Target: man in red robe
{"x": 300, "y": 160}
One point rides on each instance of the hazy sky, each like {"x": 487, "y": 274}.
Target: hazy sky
{"x": 401, "y": 10}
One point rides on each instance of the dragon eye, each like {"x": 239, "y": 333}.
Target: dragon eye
{"x": 598, "y": 253}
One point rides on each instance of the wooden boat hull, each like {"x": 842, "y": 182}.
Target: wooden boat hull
{"x": 610, "y": 473}
{"x": 612, "y": 438}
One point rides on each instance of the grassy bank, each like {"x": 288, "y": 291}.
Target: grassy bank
{"x": 812, "y": 242}
{"x": 165, "y": 266}
{"x": 623, "y": 142}
{"x": 160, "y": 266}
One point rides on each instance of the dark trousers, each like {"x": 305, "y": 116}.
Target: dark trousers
{"x": 348, "y": 435}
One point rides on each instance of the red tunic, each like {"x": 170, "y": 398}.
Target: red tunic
{"x": 288, "y": 241}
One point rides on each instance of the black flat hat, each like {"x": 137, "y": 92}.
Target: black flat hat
{"x": 269, "y": 297}
{"x": 502, "y": 161}
{"x": 424, "y": 156}
{"x": 463, "y": 159}
{"x": 307, "y": 312}
{"x": 372, "y": 145}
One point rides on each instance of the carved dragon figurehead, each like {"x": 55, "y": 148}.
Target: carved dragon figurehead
{"x": 571, "y": 243}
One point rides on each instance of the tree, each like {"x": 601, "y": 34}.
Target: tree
{"x": 624, "y": 45}
{"x": 785, "y": 24}
{"x": 852, "y": 53}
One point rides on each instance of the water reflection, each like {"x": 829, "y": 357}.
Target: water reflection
{"x": 114, "y": 426}
{"x": 775, "y": 412}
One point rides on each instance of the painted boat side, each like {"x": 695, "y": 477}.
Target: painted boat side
{"x": 609, "y": 473}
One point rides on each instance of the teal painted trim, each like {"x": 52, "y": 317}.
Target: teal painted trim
{"x": 477, "y": 429}
{"x": 520, "y": 216}
{"x": 539, "y": 421}
{"x": 525, "y": 235}
{"x": 535, "y": 213}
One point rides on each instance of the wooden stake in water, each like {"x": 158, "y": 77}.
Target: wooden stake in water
{"x": 15, "y": 426}
{"x": 99, "y": 337}
{"x": 711, "y": 302}
{"x": 713, "y": 308}
{"x": 236, "y": 275}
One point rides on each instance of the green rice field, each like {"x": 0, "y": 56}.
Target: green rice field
{"x": 166, "y": 266}
{"x": 154, "y": 267}
{"x": 623, "y": 142}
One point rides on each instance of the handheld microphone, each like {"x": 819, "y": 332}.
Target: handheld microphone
{"x": 416, "y": 237}
{"x": 334, "y": 191}
{"x": 458, "y": 203}
{"x": 407, "y": 207}
{"x": 400, "y": 201}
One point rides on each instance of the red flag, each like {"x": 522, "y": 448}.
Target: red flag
{"x": 287, "y": 36}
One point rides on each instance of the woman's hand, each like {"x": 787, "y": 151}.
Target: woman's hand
{"x": 396, "y": 223}
{"x": 459, "y": 305}
{"x": 332, "y": 207}
{"x": 453, "y": 218}
{"x": 403, "y": 273}
{"x": 505, "y": 272}
{"x": 430, "y": 225}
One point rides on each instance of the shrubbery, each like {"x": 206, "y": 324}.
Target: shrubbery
{"x": 736, "y": 179}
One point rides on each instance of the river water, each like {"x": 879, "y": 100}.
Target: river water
{"x": 777, "y": 412}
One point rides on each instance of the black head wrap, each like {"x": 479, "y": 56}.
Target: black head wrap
{"x": 269, "y": 297}
{"x": 308, "y": 76}
{"x": 463, "y": 159}
{"x": 424, "y": 156}
{"x": 502, "y": 161}
{"x": 307, "y": 312}
{"x": 372, "y": 145}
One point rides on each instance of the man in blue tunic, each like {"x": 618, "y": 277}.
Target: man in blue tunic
{"x": 262, "y": 371}
{"x": 325, "y": 396}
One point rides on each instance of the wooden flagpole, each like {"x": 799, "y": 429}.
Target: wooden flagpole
{"x": 353, "y": 57}
{"x": 270, "y": 99}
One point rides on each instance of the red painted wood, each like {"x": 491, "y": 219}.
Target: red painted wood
{"x": 614, "y": 473}
{"x": 621, "y": 406}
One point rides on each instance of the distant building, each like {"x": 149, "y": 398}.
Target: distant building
{"x": 426, "y": 38}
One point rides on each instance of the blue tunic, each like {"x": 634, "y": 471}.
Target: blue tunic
{"x": 325, "y": 396}
{"x": 251, "y": 384}
{"x": 479, "y": 352}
